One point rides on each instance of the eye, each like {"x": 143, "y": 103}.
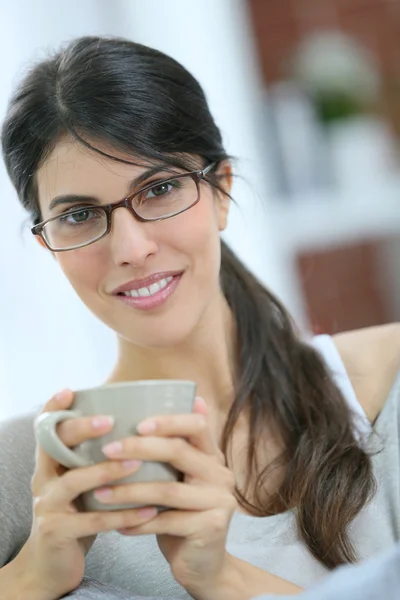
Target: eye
{"x": 80, "y": 216}
{"x": 160, "y": 189}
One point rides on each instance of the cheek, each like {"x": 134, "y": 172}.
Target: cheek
{"x": 194, "y": 232}
{"x": 83, "y": 269}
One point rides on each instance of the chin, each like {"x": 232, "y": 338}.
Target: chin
{"x": 160, "y": 337}
{"x": 158, "y": 331}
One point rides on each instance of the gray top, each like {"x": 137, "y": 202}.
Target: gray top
{"x": 270, "y": 543}
{"x": 375, "y": 579}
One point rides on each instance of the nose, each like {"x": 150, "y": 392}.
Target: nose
{"x": 129, "y": 239}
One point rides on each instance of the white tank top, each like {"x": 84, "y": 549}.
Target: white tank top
{"x": 325, "y": 345}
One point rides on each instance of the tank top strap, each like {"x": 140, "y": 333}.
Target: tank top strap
{"x": 325, "y": 345}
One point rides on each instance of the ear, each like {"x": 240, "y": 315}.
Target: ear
{"x": 224, "y": 174}
{"x": 40, "y": 241}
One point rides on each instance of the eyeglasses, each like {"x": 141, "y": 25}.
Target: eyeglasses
{"x": 157, "y": 201}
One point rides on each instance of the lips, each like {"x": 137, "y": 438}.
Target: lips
{"x": 149, "y": 290}
{"x": 146, "y": 299}
{"x": 146, "y": 282}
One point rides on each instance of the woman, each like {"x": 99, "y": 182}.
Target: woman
{"x": 278, "y": 475}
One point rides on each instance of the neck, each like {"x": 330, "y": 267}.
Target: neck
{"x": 206, "y": 357}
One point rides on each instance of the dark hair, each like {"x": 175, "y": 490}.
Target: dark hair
{"x": 144, "y": 103}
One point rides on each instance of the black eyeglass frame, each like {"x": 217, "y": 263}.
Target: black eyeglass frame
{"x": 197, "y": 176}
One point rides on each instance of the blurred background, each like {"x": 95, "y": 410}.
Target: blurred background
{"x": 307, "y": 96}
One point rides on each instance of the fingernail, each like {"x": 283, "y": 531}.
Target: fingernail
{"x": 103, "y": 493}
{"x": 148, "y": 512}
{"x": 146, "y": 427}
{"x": 102, "y": 422}
{"x": 62, "y": 396}
{"x": 200, "y": 401}
{"x": 131, "y": 464}
{"x": 112, "y": 449}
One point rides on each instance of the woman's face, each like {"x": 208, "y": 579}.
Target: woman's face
{"x": 186, "y": 246}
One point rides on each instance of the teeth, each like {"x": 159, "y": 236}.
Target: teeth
{"x": 150, "y": 290}
{"x": 144, "y": 291}
{"x": 156, "y": 287}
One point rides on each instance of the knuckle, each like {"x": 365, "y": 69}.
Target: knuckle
{"x": 178, "y": 446}
{"x": 218, "y": 520}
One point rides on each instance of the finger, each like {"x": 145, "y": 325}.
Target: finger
{"x": 60, "y": 401}
{"x": 200, "y": 406}
{"x": 172, "y": 494}
{"x": 46, "y": 467}
{"x": 194, "y": 427}
{"x": 79, "y": 525}
{"x": 73, "y": 483}
{"x": 175, "y": 451}
{"x": 208, "y": 524}
{"x": 73, "y": 432}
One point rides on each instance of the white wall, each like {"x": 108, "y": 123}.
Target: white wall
{"x": 48, "y": 340}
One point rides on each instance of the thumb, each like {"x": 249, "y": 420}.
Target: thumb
{"x": 200, "y": 406}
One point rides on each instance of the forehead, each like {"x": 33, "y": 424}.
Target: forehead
{"x": 71, "y": 168}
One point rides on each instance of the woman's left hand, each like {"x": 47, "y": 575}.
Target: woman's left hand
{"x": 193, "y": 536}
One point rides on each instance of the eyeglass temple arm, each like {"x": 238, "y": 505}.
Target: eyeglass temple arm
{"x": 206, "y": 170}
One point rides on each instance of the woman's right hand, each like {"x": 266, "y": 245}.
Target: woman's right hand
{"x": 53, "y": 559}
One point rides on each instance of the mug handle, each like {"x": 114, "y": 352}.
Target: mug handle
{"x": 47, "y": 438}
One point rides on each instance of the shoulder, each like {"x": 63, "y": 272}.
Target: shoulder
{"x": 17, "y": 463}
{"x": 17, "y": 446}
{"x": 372, "y": 360}
{"x": 17, "y": 452}
{"x": 17, "y": 430}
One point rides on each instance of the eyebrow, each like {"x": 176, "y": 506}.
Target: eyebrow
{"x": 71, "y": 198}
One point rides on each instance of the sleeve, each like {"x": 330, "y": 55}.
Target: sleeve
{"x": 91, "y": 589}
{"x": 17, "y": 460}
{"x": 386, "y": 443}
{"x": 371, "y": 580}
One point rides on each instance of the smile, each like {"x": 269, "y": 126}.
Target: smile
{"x": 149, "y": 290}
{"x": 151, "y": 296}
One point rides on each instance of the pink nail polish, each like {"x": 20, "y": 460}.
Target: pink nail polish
{"x": 146, "y": 427}
{"x": 131, "y": 465}
{"x": 102, "y": 422}
{"x": 112, "y": 449}
{"x": 62, "y": 396}
{"x": 148, "y": 512}
{"x": 103, "y": 493}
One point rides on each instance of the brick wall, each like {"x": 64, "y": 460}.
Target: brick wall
{"x": 280, "y": 24}
{"x": 343, "y": 287}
